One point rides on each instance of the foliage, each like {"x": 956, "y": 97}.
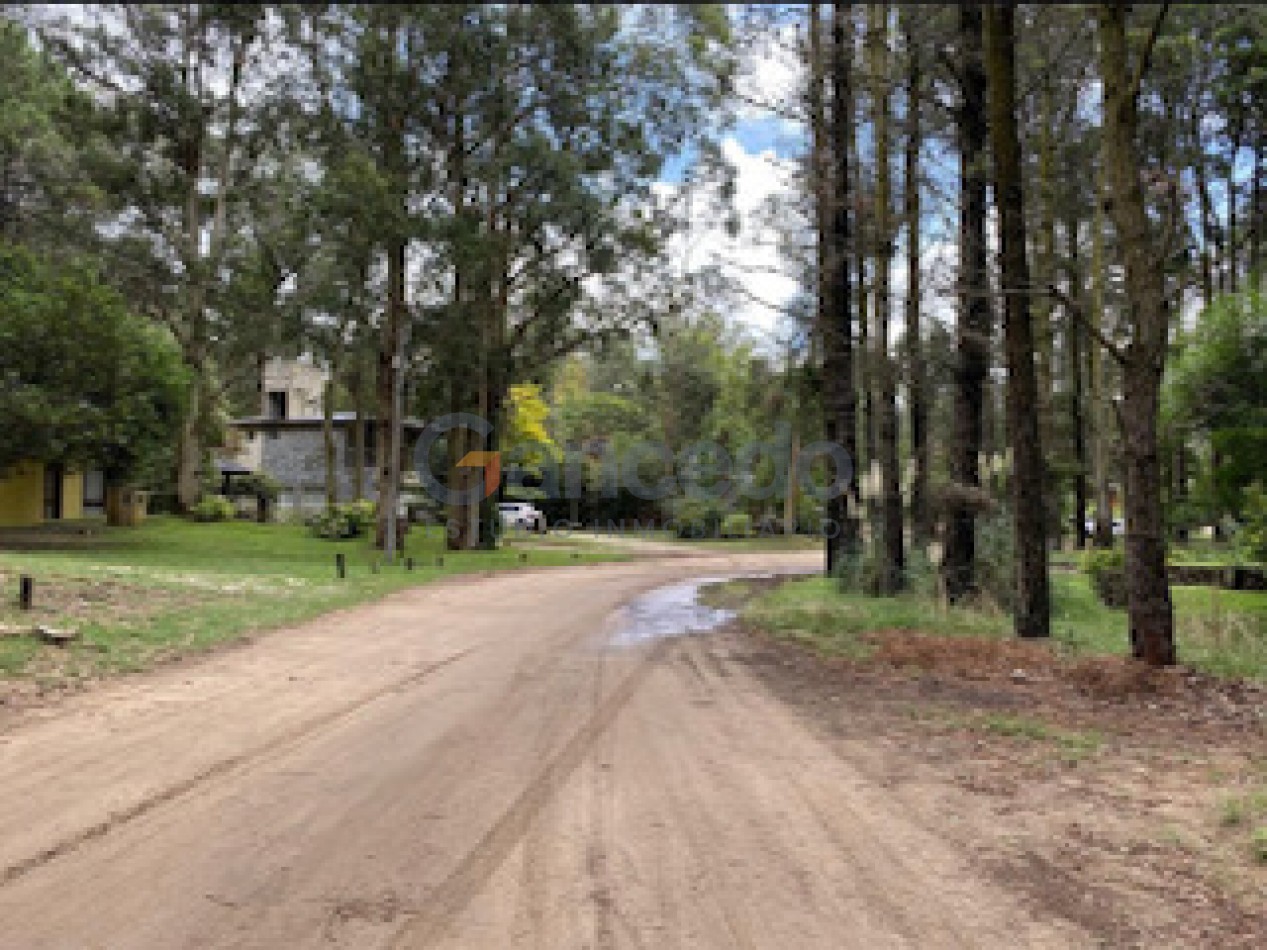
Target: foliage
{"x": 84, "y": 381}
{"x": 49, "y": 140}
{"x": 212, "y": 508}
{"x": 526, "y": 438}
{"x": 1107, "y": 570}
{"x": 1217, "y": 387}
{"x": 340, "y": 522}
{"x": 738, "y": 524}
{"x": 1252, "y": 536}
{"x": 255, "y": 485}
{"x": 697, "y": 518}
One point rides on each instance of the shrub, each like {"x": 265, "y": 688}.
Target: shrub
{"x": 697, "y": 518}
{"x": 352, "y": 520}
{"x": 1252, "y": 536}
{"x": 362, "y": 515}
{"x": 1107, "y": 570}
{"x": 737, "y": 525}
{"x": 213, "y": 508}
{"x": 255, "y": 485}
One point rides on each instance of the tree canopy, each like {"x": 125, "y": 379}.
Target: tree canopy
{"x": 82, "y": 380}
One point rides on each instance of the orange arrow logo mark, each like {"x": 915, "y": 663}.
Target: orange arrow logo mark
{"x": 490, "y": 462}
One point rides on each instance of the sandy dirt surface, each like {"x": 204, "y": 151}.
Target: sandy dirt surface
{"x": 489, "y": 762}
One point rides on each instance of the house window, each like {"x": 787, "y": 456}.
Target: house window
{"x": 277, "y": 405}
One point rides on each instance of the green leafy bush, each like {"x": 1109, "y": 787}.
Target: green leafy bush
{"x": 1252, "y": 536}
{"x": 213, "y": 508}
{"x": 352, "y": 520}
{"x": 696, "y": 518}
{"x": 1107, "y": 571}
{"x": 362, "y": 515}
{"x": 737, "y": 525}
{"x": 255, "y": 485}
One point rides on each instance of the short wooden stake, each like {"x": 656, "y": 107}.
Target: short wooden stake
{"x": 341, "y": 565}
{"x": 26, "y": 591}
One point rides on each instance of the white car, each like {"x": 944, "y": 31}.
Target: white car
{"x": 521, "y": 514}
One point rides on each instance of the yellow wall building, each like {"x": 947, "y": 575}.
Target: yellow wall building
{"x": 32, "y": 493}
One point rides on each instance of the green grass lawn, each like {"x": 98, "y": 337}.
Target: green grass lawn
{"x": 758, "y": 542}
{"x": 1223, "y": 632}
{"x": 172, "y": 587}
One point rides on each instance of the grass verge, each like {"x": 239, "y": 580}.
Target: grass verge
{"x": 1221, "y": 632}
{"x": 169, "y": 588}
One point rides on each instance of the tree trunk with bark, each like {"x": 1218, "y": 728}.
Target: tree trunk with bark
{"x": 1149, "y": 608}
{"x": 832, "y": 163}
{"x": 1075, "y": 336}
{"x": 921, "y": 517}
{"x": 1032, "y": 613}
{"x": 389, "y": 348}
{"x": 973, "y": 321}
{"x": 892, "y": 549}
{"x": 1101, "y": 420}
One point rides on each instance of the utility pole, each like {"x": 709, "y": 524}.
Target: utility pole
{"x": 391, "y": 494}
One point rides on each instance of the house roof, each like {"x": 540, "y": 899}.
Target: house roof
{"x": 308, "y": 422}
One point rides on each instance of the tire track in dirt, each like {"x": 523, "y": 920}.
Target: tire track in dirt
{"x": 455, "y": 892}
{"x": 217, "y": 770}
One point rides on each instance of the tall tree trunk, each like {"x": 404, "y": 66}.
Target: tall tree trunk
{"x": 327, "y": 429}
{"x": 1043, "y": 304}
{"x": 1149, "y": 609}
{"x": 1074, "y": 335}
{"x": 1032, "y": 616}
{"x": 389, "y": 348}
{"x": 359, "y": 428}
{"x": 190, "y": 451}
{"x": 921, "y": 518}
{"x": 892, "y": 549}
{"x": 1256, "y": 214}
{"x": 1210, "y": 244}
{"x": 1233, "y": 244}
{"x": 1101, "y": 420}
{"x": 832, "y": 158}
{"x": 973, "y": 320}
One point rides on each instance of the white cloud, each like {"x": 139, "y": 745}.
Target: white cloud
{"x": 772, "y": 77}
{"x": 752, "y": 258}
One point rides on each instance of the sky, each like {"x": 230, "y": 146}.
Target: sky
{"x": 763, "y": 149}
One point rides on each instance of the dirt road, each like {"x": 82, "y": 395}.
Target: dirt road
{"x": 485, "y": 763}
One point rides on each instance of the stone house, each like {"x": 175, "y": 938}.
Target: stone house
{"x": 287, "y": 442}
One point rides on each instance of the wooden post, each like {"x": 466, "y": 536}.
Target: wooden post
{"x": 409, "y": 564}
{"x": 341, "y": 565}
{"x": 26, "y": 592}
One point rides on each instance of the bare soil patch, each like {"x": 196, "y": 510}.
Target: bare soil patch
{"x": 1127, "y": 799}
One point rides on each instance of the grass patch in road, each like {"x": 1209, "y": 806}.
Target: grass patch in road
{"x": 1246, "y": 814}
{"x": 1073, "y": 745}
{"x": 1258, "y": 844}
{"x": 1221, "y": 632}
{"x": 727, "y": 595}
{"x": 171, "y": 587}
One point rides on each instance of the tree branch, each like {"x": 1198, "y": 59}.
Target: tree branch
{"x": 1146, "y": 54}
{"x": 1076, "y": 309}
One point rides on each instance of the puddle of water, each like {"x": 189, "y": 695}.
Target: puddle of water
{"x": 672, "y": 611}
